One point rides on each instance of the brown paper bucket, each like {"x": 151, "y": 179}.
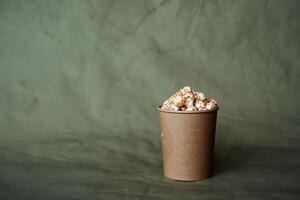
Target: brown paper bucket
{"x": 188, "y": 143}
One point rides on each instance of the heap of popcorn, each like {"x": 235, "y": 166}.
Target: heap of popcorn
{"x": 188, "y": 100}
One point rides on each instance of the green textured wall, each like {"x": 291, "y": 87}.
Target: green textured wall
{"x": 80, "y": 80}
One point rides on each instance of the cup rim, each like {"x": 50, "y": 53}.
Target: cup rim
{"x": 187, "y": 112}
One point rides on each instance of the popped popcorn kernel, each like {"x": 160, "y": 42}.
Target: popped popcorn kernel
{"x": 175, "y": 108}
{"x": 200, "y": 96}
{"x": 199, "y": 105}
{"x": 210, "y": 106}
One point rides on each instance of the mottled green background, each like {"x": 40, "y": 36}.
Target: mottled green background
{"x": 80, "y": 80}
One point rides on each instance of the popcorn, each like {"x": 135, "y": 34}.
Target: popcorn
{"x": 192, "y": 108}
{"x": 188, "y": 100}
{"x": 214, "y": 101}
{"x": 179, "y": 101}
{"x": 200, "y": 96}
{"x": 210, "y": 106}
{"x": 186, "y": 89}
{"x": 175, "y": 108}
{"x": 189, "y": 103}
{"x": 200, "y": 105}
{"x": 183, "y": 108}
{"x": 166, "y": 102}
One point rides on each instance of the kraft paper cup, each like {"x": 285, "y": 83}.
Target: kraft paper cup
{"x": 188, "y": 143}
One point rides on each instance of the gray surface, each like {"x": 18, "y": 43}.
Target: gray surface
{"x": 80, "y": 82}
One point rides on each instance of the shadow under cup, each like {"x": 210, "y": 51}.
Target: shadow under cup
{"x": 188, "y": 143}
